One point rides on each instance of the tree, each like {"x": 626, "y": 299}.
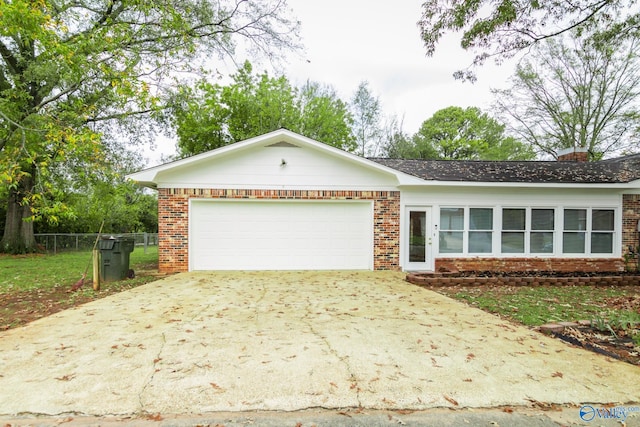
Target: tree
{"x": 367, "y": 114}
{"x": 576, "y": 93}
{"x": 454, "y": 133}
{"x": 71, "y": 69}
{"x": 396, "y": 142}
{"x": 209, "y": 116}
{"x": 324, "y": 116}
{"x": 501, "y": 29}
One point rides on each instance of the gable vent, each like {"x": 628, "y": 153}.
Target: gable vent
{"x": 283, "y": 144}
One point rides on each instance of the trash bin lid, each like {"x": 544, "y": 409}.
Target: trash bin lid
{"x": 106, "y": 244}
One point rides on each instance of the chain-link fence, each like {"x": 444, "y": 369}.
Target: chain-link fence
{"x": 60, "y": 242}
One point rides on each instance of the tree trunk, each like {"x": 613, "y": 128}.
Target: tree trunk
{"x": 18, "y": 231}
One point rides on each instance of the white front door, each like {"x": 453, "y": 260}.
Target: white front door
{"x": 419, "y": 239}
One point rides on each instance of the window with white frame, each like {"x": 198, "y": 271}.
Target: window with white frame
{"x": 459, "y": 236}
{"x": 513, "y": 230}
{"x": 541, "y": 235}
{"x": 588, "y": 231}
{"x": 527, "y": 230}
{"x": 451, "y": 230}
{"x": 480, "y": 230}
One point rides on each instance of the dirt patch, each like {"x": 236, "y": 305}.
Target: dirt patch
{"x": 19, "y": 308}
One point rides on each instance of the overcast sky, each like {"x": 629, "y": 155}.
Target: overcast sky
{"x": 349, "y": 41}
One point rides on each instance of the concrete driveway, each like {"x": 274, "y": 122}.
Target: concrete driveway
{"x": 238, "y": 341}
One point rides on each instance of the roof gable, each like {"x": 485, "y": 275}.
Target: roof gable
{"x": 278, "y": 158}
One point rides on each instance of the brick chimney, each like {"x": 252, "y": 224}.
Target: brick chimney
{"x": 573, "y": 154}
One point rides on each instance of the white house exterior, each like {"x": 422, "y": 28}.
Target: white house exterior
{"x": 281, "y": 201}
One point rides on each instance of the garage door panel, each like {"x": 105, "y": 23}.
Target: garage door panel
{"x": 281, "y": 235}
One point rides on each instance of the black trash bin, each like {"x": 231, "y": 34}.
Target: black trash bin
{"x": 114, "y": 258}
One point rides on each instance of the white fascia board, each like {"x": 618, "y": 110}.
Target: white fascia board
{"x": 149, "y": 177}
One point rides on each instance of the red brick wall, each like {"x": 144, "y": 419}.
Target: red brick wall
{"x": 173, "y": 216}
{"x": 530, "y": 264}
{"x": 574, "y": 156}
{"x": 630, "y": 217}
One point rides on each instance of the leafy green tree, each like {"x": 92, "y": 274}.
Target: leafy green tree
{"x": 324, "y": 116}
{"x": 501, "y": 29}
{"x": 455, "y": 133}
{"x": 70, "y": 70}
{"x": 209, "y": 116}
{"x": 396, "y": 143}
{"x": 576, "y": 93}
{"x": 123, "y": 206}
{"x": 367, "y": 114}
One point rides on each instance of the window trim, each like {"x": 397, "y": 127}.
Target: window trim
{"x": 588, "y": 233}
{"x": 557, "y": 232}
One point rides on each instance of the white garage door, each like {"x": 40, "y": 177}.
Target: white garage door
{"x": 280, "y": 235}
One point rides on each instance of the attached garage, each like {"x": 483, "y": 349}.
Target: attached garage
{"x": 280, "y": 235}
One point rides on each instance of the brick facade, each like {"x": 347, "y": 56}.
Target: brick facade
{"x": 530, "y": 264}
{"x": 173, "y": 215}
{"x": 630, "y": 218}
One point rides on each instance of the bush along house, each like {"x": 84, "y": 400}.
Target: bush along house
{"x": 282, "y": 201}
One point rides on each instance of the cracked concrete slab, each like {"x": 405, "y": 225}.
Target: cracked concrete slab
{"x": 203, "y": 342}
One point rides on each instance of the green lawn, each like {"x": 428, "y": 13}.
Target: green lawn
{"x": 536, "y": 305}
{"x": 30, "y": 272}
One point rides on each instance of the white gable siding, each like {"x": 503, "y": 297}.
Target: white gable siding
{"x": 277, "y": 167}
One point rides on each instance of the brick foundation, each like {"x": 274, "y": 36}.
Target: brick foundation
{"x": 530, "y": 264}
{"x": 436, "y": 279}
{"x": 173, "y": 215}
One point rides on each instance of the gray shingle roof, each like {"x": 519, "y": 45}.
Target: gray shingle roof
{"x": 612, "y": 171}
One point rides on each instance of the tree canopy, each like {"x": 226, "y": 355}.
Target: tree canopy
{"x": 501, "y": 29}
{"x": 456, "y": 133}
{"x": 367, "y": 114}
{"x": 70, "y": 70}
{"x": 573, "y": 92}
{"x": 209, "y": 115}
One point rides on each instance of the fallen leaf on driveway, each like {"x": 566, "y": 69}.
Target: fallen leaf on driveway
{"x": 154, "y": 417}
{"x": 217, "y": 388}
{"x": 557, "y": 375}
{"x": 450, "y": 400}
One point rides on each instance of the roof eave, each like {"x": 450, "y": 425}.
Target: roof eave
{"x": 433, "y": 183}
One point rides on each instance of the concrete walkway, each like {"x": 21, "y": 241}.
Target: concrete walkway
{"x": 197, "y": 343}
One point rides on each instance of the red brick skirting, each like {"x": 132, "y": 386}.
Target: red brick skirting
{"x": 173, "y": 216}
{"x": 449, "y": 279}
{"x": 566, "y": 265}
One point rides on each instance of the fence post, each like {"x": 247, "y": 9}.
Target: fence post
{"x": 146, "y": 242}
